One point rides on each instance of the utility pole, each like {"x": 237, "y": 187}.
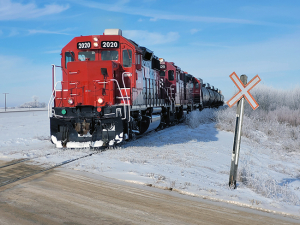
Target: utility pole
{"x": 5, "y": 99}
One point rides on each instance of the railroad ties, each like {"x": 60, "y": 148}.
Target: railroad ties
{"x": 17, "y": 170}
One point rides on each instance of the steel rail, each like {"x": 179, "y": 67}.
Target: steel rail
{"x": 4, "y": 183}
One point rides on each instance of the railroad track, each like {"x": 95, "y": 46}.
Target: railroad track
{"x": 19, "y": 170}
{"x": 14, "y": 162}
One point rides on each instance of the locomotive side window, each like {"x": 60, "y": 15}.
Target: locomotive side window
{"x": 127, "y": 58}
{"x": 171, "y": 74}
{"x": 197, "y": 86}
{"x": 162, "y": 73}
{"x": 69, "y": 57}
{"x": 138, "y": 62}
{"x": 109, "y": 55}
{"x": 83, "y": 56}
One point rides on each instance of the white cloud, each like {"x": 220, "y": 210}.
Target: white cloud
{"x": 16, "y": 11}
{"x": 53, "y": 51}
{"x": 149, "y": 1}
{"x": 147, "y": 38}
{"x": 13, "y": 32}
{"x": 46, "y": 32}
{"x": 153, "y": 19}
{"x": 161, "y": 15}
{"x": 194, "y": 31}
{"x": 210, "y": 44}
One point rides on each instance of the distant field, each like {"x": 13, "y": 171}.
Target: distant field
{"x": 21, "y": 109}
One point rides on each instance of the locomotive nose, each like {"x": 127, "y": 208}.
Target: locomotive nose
{"x": 89, "y": 83}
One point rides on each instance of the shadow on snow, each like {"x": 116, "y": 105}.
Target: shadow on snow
{"x": 179, "y": 134}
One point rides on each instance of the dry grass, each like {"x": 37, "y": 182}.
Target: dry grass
{"x": 277, "y": 119}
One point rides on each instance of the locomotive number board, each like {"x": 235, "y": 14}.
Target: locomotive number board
{"x": 163, "y": 66}
{"x": 84, "y": 45}
{"x": 110, "y": 44}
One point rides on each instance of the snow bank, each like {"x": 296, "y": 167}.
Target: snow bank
{"x": 192, "y": 158}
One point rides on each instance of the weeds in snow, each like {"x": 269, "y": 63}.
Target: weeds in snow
{"x": 277, "y": 119}
{"x": 195, "y": 118}
{"x": 267, "y": 187}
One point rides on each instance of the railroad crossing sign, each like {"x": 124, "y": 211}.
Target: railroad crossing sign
{"x": 240, "y": 98}
{"x": 244, "y": 90}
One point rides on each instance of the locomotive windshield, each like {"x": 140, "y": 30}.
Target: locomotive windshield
{"x": 109, "y": 55}
{"x": 89, "y": 55}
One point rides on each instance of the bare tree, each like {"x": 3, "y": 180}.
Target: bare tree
{"x": 35, "y": 100}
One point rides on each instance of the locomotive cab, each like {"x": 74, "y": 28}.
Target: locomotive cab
{"x": 197, "y": 95}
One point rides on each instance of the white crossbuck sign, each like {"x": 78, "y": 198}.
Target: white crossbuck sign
{"x": 244, "y": 90}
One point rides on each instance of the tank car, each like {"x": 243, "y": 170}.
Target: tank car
{"x": 112, "y": 89}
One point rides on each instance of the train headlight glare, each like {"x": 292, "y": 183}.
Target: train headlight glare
{"x": 100, "y": 100}
{"x": 95, "y": 39}
{"x": 96, "y": 44}
{"x": 70, "y": 101}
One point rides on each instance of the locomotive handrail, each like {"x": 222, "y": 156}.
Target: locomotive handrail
{"x": 53, "y": 96}
{"x": 170, "y": 98}
{"x": 128, "y": 74}
{"x": 168, "y": 94}
{"x": 76, "y": 88}
{"x": 100, "y": 82}
{"x": 121, "y": 96}
{"x": 171, "y": 89}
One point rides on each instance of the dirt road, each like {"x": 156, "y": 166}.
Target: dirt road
{"x": 68, "y": 197}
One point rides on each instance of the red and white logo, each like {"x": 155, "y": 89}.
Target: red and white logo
{"x": 244, "y": 90}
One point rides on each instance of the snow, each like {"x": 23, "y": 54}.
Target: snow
{"x": 14, "y": 109}
{"x": 193, "y": 160}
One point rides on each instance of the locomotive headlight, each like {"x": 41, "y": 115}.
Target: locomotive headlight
{"x": 100, "y": 100}
{"x": 70, "y": 101}
{"x": 96, "y": 44}
{"x": 95, "y": 39}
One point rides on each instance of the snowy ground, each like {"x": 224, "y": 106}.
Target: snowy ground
{"x": 191, "y": 161}
{"x": 21, "y": 109}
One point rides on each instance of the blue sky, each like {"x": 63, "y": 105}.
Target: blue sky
{"x": 207, "y": 38}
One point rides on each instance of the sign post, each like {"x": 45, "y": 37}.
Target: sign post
{"x": 240, "y": 99}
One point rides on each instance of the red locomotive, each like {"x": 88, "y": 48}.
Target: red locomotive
{"x": 113, "y": 89}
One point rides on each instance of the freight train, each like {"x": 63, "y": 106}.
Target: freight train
{"x": 112, "y": 90}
